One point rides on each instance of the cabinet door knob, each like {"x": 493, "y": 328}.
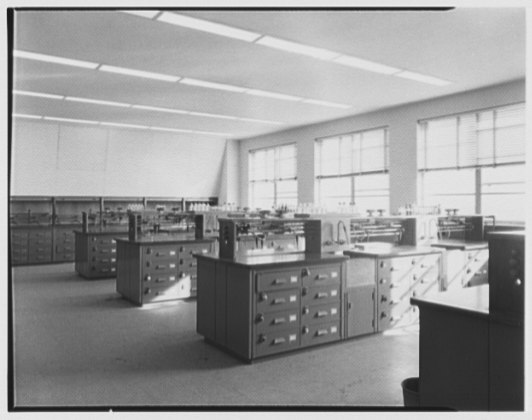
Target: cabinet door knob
{"x": 306, "y": 330}
{"x": 263, "y": 296}
{"x": 262, "y": 338}
{"x": 148, "y": 278}
{"x": 518, "y": 282}
{"x": 306, "y": 310}
{"x": 305, "y": 272}
{"x": 260, "y": 317}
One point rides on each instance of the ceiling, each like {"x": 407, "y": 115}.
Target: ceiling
{"x": 470, "y": 48}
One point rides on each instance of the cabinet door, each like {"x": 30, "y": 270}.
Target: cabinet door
{"x": 206, "y": 317}
{"x": 360, "y": 310}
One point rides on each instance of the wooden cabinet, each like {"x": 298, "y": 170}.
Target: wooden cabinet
{"x": 259, "y": 306}
{"x": 158, "y": 269}
{"x": 95, "y": 252}
{"x": 386, "y": 281}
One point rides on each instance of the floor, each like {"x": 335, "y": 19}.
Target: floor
{"x": 77, "y": 343}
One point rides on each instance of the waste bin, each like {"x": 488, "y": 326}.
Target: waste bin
{"x": 411, "y": 392}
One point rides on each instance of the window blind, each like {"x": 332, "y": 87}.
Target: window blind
{"x": 484, "y": 138}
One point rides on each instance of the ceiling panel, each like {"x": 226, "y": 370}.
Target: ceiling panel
{"x": 469, "y": 47}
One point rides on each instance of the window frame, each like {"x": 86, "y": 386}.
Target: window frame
{"x": 276, "y": 173}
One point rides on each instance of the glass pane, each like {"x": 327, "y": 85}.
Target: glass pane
{"x": 262, "y": 195}
{"x": 450, "y": 189}
{"x": 334, "y": 191}
{"x": 286, "y": 152}
{"x": 510, "y": 144}
{"x": 441, "y": 132}
{"x": 510, "y": 116}
{"x": 372, "y": 159}
{"x": 467, "y": 141}
{"x": 328, "y": 150}
{"x": 441, "y": 156}
{"x": 506, "y": 207}
{"x": 346, "y": 166}
{"x": 372, "y": 192}
{"x": 287, "y": 193}
{"x": 356, "y": 153}
{"x": 374, "y": 202}
{"x": 287, "y": 168}
{"x": 485, "y": 120}
{"x": 503, "y": 179}
{"x": 485, "y": 147}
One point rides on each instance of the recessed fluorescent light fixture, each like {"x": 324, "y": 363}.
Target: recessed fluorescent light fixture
{"x": 54, "y": 59}
{"x": 33, "y": 117}
{"x": 294, "y": 47}
{"x": 365, "y": 65}
{"x": 326, "y": 103}
{"x": 206, "y": 114}
{"x": 149, "y": 14}
{"x": 139, "y": 73}
{"x": 212, "y": 85}
{"x": 206, "y": 26}
{"x": 422, "y": 78}
{"x": 261, "y": 121}
{"x": 95, "y": 101}
{"x": 159, "y": 109}
{"x": 70, "y": 120}
{"x": 111, "y": 124}
{"x": 274, "y": 95}
{"x": 182, "y": 130}
{"x": 37, "y": 94}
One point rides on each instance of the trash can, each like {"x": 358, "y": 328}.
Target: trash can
{"x": 411, "y": 392}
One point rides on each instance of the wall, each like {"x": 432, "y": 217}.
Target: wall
{"x": 229, "y": 183}
{"x": 71, "y": 160}
{"x": 402, "y": 123}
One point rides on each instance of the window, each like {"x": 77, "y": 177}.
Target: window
{"x": 273, "y": 177}
{"x": 352, "y": 169}
{"x": 475, "y": 162}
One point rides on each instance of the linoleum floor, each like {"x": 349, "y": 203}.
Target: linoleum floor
{"x": 77, "y": 343}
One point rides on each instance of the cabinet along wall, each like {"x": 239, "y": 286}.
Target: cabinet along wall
{"x": 402, "y": 125}
{"x": 69, "y": 160}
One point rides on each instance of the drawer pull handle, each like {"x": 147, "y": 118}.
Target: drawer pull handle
{"x": 160, "y": 267}
{"x": 278, "y": 282}
{"x": 279, "y": 340}
{"x": 322, "y": 277}
{"x": 160, "y": 280}
{"x": 277, "y": 321}
{"x": 322, "y": 295}
{"x": 320, "y": 333}
{"x": 278, "y": 301}
{"x": 322, "y": 314}
{"x": 160, "y": 254}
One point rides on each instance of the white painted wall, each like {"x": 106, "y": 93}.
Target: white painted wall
{"x": 229, "y": 183}
{"x": 402, "y": 123}
{"x": 74, "y": 160}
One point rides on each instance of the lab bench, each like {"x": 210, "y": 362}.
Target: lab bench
{"x": 265, "y": 304}
{"x": 95, "y": 256}
{"x": 158, "y": 267}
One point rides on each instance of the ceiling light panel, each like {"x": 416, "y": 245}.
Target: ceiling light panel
{"x": 207, "y": 26}
{"x": 37, "y": 94}
{"x": 70, "y": 120}
{"x": 274, "y": 95}
{"x": 139, "y": 73}
{"x": 326, "y": 103}
{"x": 54, "y": 59}
{"x": 422, "y": 78}
{"x": 294, "y": 47}
{"x": 359, "y": 63}
{"x": 212, "y": 85}
{"x": 160, "y": 109}
{"x": 148, "y": 14}
{"x": 112, "y": 124}
{"x": 32, "y": 117}
{"x": 97, "y": 102}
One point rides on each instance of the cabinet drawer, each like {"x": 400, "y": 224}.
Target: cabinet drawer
{"x": 277, "y": 300}
{"x": 320, "y": 333}
{"x": 160, "y": 267}
{"x": 277, "y": 280}
{"x": 276, "y": 342}
{"x": 156, "y": 279}
{"x": 39, "y": 257}
{"x": 320, "y": 313}
{"x": 62, "y": 248}
{"x": 103, "y": 240}
{"x": 321, "y": 275}
{"x": 272, "y": 321}
{"x": 189, "y": 263}
{"x": 160, "y": 252}
{"x": 103, "y": 249}
{"x": 19, "y": 245}
{"x": 103, "y": 260}
{"x": 398, "y": 266}
{"x": 190, "y": 249}
{"x": 320, "y": 294}
{"x": 168, "y": 291}
{"x": 19, "y": 236}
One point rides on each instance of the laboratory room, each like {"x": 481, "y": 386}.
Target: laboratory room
{"x": 266, "y": 209}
